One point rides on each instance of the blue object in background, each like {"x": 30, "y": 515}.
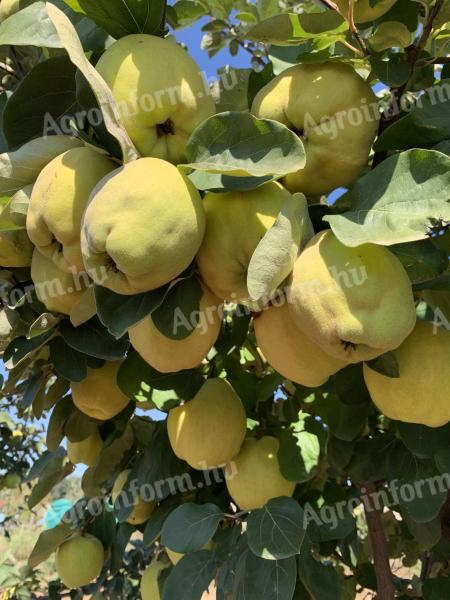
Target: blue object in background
{"x": 55, "y": 513}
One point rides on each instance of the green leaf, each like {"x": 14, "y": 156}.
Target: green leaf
{"x": 422, "y": 441}
{"x": 188, "y": 12}
{"x": 157, "y": 519}
{"x": 104, "y": 96}
{"x": 68, "y": 362}
{"x": 257, "y": 578}
{"x": 48, "y": 542}
{"x": 190, "y": 526}
{"x": 422, "y": 260}
{"x": 121, "y": 18}
{"x": 30, "y": 27}
{"x": 118, "y": 312}
{"x": 241, "y": 145}
{"x": 391, "y": 68}
{"x": 178, "y": 315}
{"x": 300, "y": 448}
{"x": 436, "y": 589}
{"x": 323, "y": 582}
{"x": 276, "y": 531}
{"x": 216, "y": 182}
{"x": 425, "y": 125}
{"x": 58, "y": 419}
{"x": 190, "y": 577}
{"x": 386, "y": 364}
{"x": 136, "y": 378}
{"x": 21, "y": 168}
{"x": 396, "y": 202}
{"x": 20, "y": 349}
{"x": 291, "y": 29}
{"x": 346, "y": 421}
{"x": 92, "y": 339}
{"x": 41, "y": 101}
{"x": 424, "y": 493}
{"x": 51, "y": 475}
{"x": 275, "y": 255}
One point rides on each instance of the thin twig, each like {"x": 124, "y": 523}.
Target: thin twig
{"x": 386, "y": 589}
{"x": 354, "y": 29}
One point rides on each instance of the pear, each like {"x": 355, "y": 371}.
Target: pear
{"x": 58, "y": 290}
{"x": 79, "y": 560}
{"x": 58, "y": 201}
{"x": 142, "y": 228}
{"x": 420, "y": 394}
{"x": 86, "y": 451}
{"x": 98, "y": 395}
{"x": 235, "y": 224}
{"x": 257, "y": 478}
{"x": 142, "y": 510}
{"x": 167, "y": 355}
{"x": 365, "y": 10}
{"x": 289, "y": 351}
{"x": 161, "y": 100}
{"x": 335, "y": 113}
{"x": 208, "y": 431}
{"x": 355, "y": 303}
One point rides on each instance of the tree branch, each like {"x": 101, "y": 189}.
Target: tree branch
{"x": 386, "y": 589}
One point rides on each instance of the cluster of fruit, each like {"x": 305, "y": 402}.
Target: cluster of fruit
{"x": 137, "y": 227}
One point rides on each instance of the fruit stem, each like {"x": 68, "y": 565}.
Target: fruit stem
{"x": 386, "y": 589}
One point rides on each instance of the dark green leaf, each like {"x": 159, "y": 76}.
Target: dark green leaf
{"x": 68, "y": 362}
{"x": 178, "y": 315}
{"x": 92, "y": 339}
{"x": 276, "y": 531}
{"x": 257, "y": 578}
{"x": 120, "y": 18}
{"x": 190, "y": 526}
{"x": 191, "y": 577}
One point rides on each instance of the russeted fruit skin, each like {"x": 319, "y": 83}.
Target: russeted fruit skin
{"x": 58, "y": 290}
{"x": 161, "y": 101}
{"x": 257, "y": 476}
{"x": 142, "y": 510}
{"x": 142, "y": 228}
{"x": 363, "y": 12}
{"x": 421, "y": 393}
{"x": 59, "y": 199}
{"x": 16, "y": 249}
{"x": 79, "y": 560}
{"x": 208, "y": 431}
{"x": 355, "y": 303}
{"x": 167, "y": 355}
{"x": 98, "y": 395}
{"x": 235, "y": 224}
{"x": 149, "y": 581}
{"x": 289, "y": 351}
{"x": 336, "y": 149}
{"x": 85, "y": 452}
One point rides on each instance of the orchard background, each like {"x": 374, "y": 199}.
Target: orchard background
{"x": 225, "y": 299}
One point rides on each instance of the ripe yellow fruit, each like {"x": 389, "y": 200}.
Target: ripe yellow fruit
{"x": 58, "y": 290}
{"x": 363, "y": 12}
{"x": 356, "y": 303}
{"x": 59, "y": 199}
{"x": 160, "y": 91}
{"x": 86, "y": 451}
{"x": 208, "y": 431}
{"x": 289, "y": 351}
{"x": 15, "y": 247}
{"x": 98, "y": 395}
{"x": 420, "y": 394}
{"x": 149, "y": 581}
{"x": 138, "y": 237}
{"x": 235, "y": 224}
{"x": 79, "y": 560}
{"x": 335, "y": 113}
{"x": 167, "y": 355}
{"x": 257, "y": 478}
{"x": 142, "y": 510}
